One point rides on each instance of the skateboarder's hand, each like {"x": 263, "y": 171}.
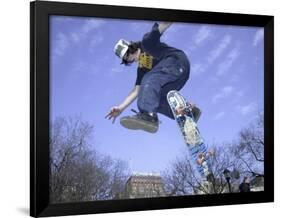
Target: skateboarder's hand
{"x": 192, "y": 104}
{"x": 113, "y": 113}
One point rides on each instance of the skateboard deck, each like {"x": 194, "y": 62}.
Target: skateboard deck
{"x": 184, "y": 115}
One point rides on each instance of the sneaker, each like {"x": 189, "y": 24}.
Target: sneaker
{"x": 142, "y": 120}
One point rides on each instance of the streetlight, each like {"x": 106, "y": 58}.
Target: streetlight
{"x": 235, "y": 174}
{"x": 227, "y": 176}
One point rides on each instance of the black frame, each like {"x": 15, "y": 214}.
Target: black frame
{"x": 39, "y": 107}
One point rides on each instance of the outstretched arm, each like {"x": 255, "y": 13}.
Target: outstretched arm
{"x": 163, "y": 26}
{"x": 117, "y": 110}
{"x": 130, "y": 98}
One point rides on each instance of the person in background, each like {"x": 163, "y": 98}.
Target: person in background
{"x": 245, "y": 185}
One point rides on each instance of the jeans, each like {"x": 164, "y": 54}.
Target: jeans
{"x": 171, "y": 73}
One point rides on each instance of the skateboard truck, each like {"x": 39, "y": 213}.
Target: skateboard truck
{"x": 191, "y": 110}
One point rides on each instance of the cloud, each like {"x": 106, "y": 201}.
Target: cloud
{"x": 240, "y": 94}
{"x": 202, "y": 35}
{"x": 61, "y": 44}
{"x": 140, "y": 27}
{"x": 172, "y": 35}
{"x": 235, "y": 78}
{"x": 95, "y": 40}
{"x": 219, "y": 115}
{"x": 237, "y": 97}
{"x": 224, "y": 93}
{"x": 64, "y": 40}
{"x": 84, "y": 67}
{"x": 117, "y": 69}
{"x": 228, "y": 62}
{"x": 91, "y": 24}
{"x": 75, "y": 37}
{"x": 81, "y": 68}
{"x": 247, "y": 109}
{"x": 87, "y": 27}
{"x": 219, "y": 49}
{"x": 189, "y": 49}
{"x": 197, "y": 69}
{"x": 258, "y": 37}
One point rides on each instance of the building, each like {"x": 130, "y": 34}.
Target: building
{"x": 141, "y": 185}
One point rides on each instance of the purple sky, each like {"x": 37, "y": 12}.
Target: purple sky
{"x": 226, "y": 82}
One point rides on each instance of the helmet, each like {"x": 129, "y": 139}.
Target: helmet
{"x": 121, "y": 48}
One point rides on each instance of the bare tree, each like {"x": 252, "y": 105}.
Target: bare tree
{"x": 245, "y": 155}
{"x": 249, "y": 148}
{"x": 180, "y": 178}
{"x": 183, "y": 178}
{"x": 77, "y": 171}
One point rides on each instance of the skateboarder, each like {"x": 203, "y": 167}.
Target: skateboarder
{"x": 161, "y": 68}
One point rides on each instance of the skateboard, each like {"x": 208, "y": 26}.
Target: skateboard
{"x": 186, "y": 116}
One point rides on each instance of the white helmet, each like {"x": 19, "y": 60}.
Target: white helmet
{"x": 121, "y": 48}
